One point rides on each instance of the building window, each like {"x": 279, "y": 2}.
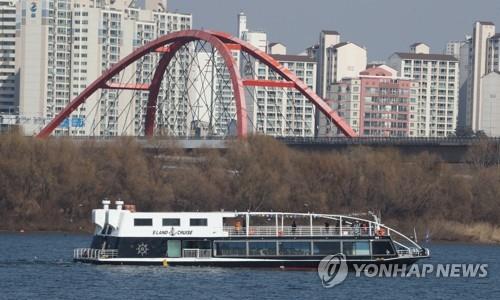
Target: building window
{"x": 143, "y": 222}
{"x": 171, "y": 222}
{"x": 198, "y": 222}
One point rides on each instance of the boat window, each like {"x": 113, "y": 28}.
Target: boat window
{"x": 231, "y": 248}
{"x": 198, "y": 222}
{"x": 382, "y": 248}
{"x": 171, "y": 222}
{"x": 262, "y": 248}
{"x": 326, "y": 248}
{"x": 356, "y": 248}
{"x": 295, "y": 248}
{"x": 196, "y": 245}
{"x": 143, "y": 222}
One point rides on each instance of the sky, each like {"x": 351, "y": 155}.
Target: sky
{"x": 382, "y": 26}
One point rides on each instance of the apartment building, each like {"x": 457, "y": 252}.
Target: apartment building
{"x": 8, "y": 81}
{"x": 376, "y": 103}
{"x": 478, "y": 68}
{"x": 78, "y": 41}
{"x": 490, "y": 113}
{"x": 284, "y": 112}
{"x": 438, "y": 78}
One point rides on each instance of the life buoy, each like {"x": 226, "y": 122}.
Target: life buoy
{"x": 251, "y": 231}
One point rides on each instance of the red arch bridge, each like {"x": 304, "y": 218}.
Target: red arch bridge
{"x": 195, "y": 82}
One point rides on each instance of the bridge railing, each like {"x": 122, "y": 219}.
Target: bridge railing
{"x": 424, "y": 141}
{"x": 302, "y": 139}
{"x": 368, "y": 141}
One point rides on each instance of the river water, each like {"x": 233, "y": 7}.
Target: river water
{"x": 39, "y": 266}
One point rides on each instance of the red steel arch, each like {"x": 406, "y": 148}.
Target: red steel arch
{"x": 223, "y": 43}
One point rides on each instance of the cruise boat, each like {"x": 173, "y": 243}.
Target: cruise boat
{"x": 241, "y": 239}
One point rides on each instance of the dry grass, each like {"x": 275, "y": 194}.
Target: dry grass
{"x": 476, "y": 232}
{"x": 54, "y": 184}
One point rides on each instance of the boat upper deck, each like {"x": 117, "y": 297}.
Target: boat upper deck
{"x": 129, "y": 223}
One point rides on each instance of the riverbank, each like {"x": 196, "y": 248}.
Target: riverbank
{"x": 476, "y": 233}
{"x": 54, "y": 184}
{"x": 451, "y": 231}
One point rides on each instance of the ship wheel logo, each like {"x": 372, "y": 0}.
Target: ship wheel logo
{"x": 142, "y": 249}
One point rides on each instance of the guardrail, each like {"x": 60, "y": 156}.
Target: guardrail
{"x": 265, "y": 231}
{"x": 94, "y": 254}
{"x": 197, "y": 253}
{"x": 411, "y": 252}
{"x": 452, "y": 141}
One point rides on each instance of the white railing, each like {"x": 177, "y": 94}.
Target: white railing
{"x": 94, "y": 254}
{"x": 298, "y": 231}
{"x": 409, "y": 252}
{"x": 197, "y": 253}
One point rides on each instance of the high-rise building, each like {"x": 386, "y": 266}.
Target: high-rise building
{"x": 275, "y": 111}
{"x": 492, "y": 54}
{"x": 281, "y": 112}
{"x": 464, "y": 78}
{"x": 453, "y": 48}
{"x": 242, "y": 25}
{"x": 490, "y": 112}
{"x": 478, "y": 68}
{"x": 376, "y": 103}
{"x": 438, "y": 78}
{"x": 77, "y": 40}
{"x": 327, "y": 39}
{"x": 8, "y": 81}
{"x": 344, "y": 60}
{"x": 335, "y": 60}
{"x": 479, "y": 58}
